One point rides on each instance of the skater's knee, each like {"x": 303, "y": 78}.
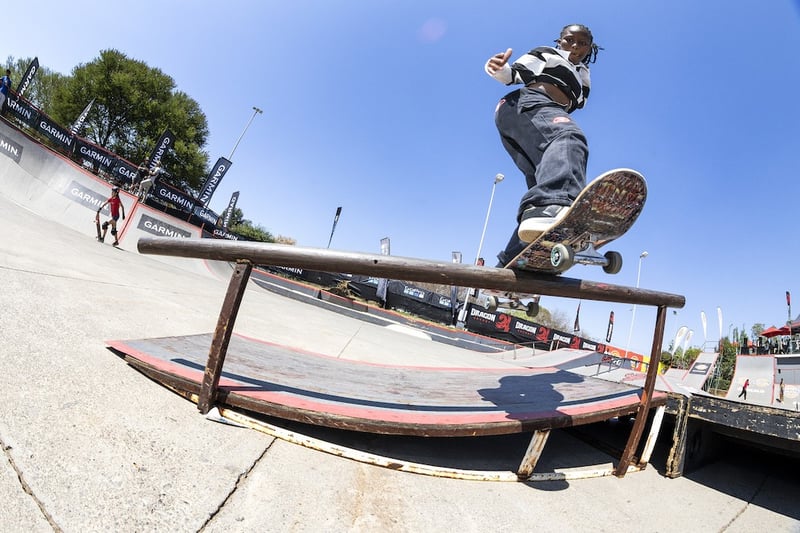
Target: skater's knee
{"x": 114, "y": 231}
{"x": 105, "y": 225}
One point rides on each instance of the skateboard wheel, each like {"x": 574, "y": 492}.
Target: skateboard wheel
{"x": 532, "y": 309}
{"x": 490, "y": 304}
{"x": 562, "y": 257}
{"x": 614, "y": 264}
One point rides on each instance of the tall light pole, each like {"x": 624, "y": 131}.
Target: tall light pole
{"x": 497, "y": 179}
{"x": 633, "y": 316}
{"x": 256, "y": 111}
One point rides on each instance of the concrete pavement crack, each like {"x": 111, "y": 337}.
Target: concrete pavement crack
{"x": 747, "y": 504}
{"x": 27, "y": 488}
{"x": 233, "y": 490}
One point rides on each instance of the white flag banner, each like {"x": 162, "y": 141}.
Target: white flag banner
{"x": 687, "y": 339}
{"x": 383, "y": 283}
{"x": 705, "y": 325}
{"x": 679, "y": 337}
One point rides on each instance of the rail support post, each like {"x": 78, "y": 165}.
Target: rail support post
{"x": 222, "y": 335}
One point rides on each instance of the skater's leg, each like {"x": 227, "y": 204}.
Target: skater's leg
{"x": 551, "y": 151}
{"x": 512, "y": 249}
{"x": 114, "y": 232}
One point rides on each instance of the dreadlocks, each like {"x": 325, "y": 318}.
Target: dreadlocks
{"x": 591, "y": 57}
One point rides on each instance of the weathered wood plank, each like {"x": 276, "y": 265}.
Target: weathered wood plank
{"x": 311, "y": 388}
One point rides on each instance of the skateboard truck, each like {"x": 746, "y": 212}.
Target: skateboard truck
{"x": 493, "y": 302}
{"x": 563, "y": 257}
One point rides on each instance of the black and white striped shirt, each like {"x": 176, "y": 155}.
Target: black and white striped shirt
{"x": 549, "y": 65}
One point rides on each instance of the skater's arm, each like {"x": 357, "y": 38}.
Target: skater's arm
{"x": 497, "y": 67}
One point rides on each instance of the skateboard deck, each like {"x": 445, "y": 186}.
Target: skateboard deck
{"x": 97, "y": 225}
{"x": 604, "y": 211}
{"x": 510, "y": 300}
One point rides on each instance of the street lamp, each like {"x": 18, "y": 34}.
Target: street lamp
{"x": 256, "y": 111}
{"x": 497, "y": 179}
{"x": 633, "y": 316}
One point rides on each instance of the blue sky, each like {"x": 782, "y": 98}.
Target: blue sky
{"x": 382, "y": 107}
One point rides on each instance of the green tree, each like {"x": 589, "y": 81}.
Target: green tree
{"x": 683, "y": 359}
{"x": 252, "y": 232}
{"x": 134, "y": 104}
{"x": 44, "y": 84}
{"x": 237, "y": 217}
{"x": 726, "y": 363}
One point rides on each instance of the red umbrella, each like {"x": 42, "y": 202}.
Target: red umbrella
{"x": 772, "y": 331}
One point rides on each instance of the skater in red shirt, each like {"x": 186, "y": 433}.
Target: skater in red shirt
{"x": 744, "y": 389}
{"x": 115, "y": 206}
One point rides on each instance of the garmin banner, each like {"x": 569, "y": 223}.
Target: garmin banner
{"x": 55, "y": 133}
{"x": 10, "y": 148}
{"x": 85, "y": 196}
{"x": 23, "y": 111}
{"x": 212, "y": 181}
{"x": 78, "y": 124}
{"x": 404, "y": 296}
{"x": 27, "y": 78}
{"x": 167, "y": 194}
{"x": 335, "y": 221}
{"x": 229, "y": 211}
{"x": 206, "y": 215}
{"x": 220, "y": 233}
{"x": 123, "y": 171}
{"x": 164, "y": 143}
{"x": 157, "y": 227}
{"x": 96, "y": 155}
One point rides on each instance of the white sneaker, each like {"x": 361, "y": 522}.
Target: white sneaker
{"x": 537, "y": 220}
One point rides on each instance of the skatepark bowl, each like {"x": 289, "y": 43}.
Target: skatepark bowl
{"x": 92, "y": 445}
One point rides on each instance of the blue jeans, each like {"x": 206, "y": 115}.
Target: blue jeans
{"x": 547, "y": 146}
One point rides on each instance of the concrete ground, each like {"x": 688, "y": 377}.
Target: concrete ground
{"x": 89, "y": 444}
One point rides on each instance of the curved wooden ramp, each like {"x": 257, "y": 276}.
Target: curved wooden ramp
{"x": 246, "y": 255}
{"x": 291, "y": 384}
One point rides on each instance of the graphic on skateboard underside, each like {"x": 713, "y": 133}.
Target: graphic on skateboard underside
{"x": 603, "y": 211}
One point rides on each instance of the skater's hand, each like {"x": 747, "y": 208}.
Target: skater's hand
{"x": 498, "y": 61}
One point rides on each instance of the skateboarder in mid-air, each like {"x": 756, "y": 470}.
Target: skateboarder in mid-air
{"x": 115, "y": 206}
{"x": 538, "y": 132}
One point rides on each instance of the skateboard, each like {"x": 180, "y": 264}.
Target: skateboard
{"x": 97, "y": 225}
{"x": 602, "y": 212}
{"x": 605, "y": 210}
{"x": 511, "y": 300}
